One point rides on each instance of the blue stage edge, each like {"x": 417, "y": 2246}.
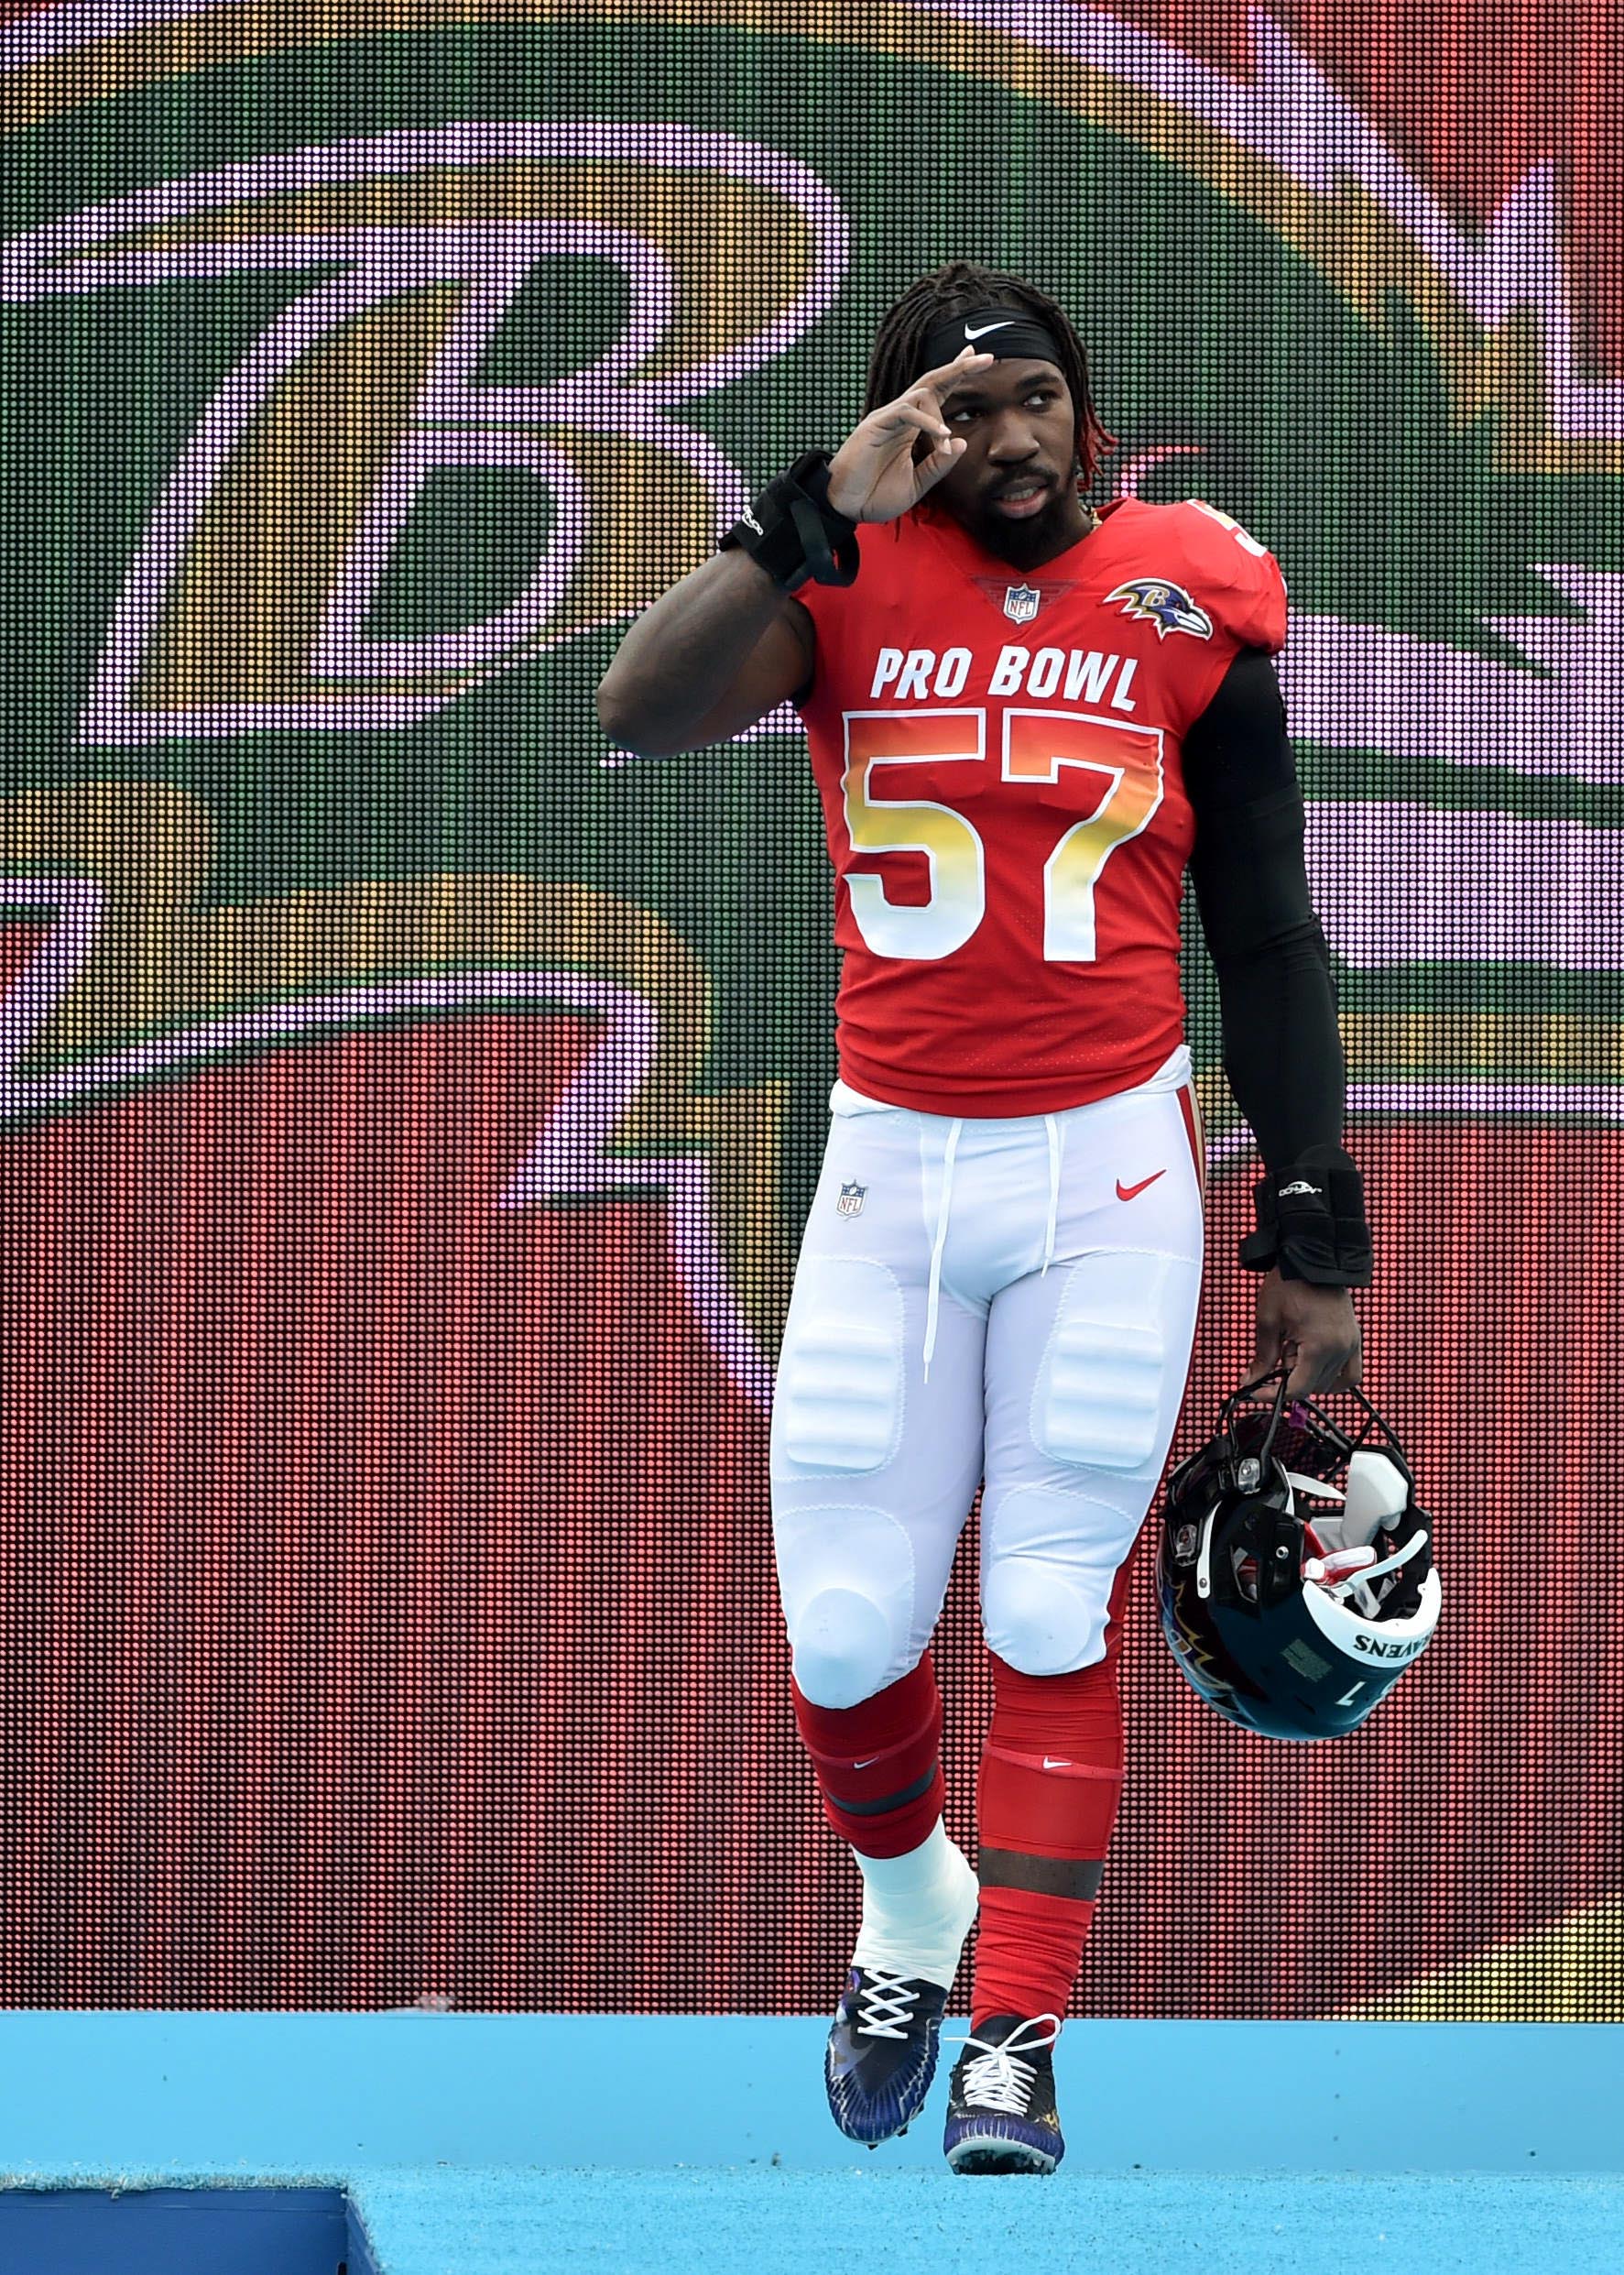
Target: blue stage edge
{"x": 181, "y": 2231}
{"x": 511, "y": 2145}
{"x": 261, "y": 2094}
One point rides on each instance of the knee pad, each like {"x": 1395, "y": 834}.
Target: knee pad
{"x": 846, "y": 1576}
{"x": 1102, "y": 1391}
{"x": 841, "y": 1647}
{"x": 1048, "y": 1562}
{"x": 837, "y": 1406}
{"x": 1040, "y": 1628}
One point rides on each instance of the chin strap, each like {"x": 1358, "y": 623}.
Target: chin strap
{"x": 1339, "y": 1568}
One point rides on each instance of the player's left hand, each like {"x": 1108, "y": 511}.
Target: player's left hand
{"x": 1315, "y": 1328}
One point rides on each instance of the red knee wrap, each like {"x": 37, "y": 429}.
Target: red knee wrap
{"x": 878, "y": 1763}
{"x": 1052, "y": 1766}
{"x": 1050, "y": 1782}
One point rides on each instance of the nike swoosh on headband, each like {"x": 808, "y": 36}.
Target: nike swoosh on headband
{"x": 981, "y": 330}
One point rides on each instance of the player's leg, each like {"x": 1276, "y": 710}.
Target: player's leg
{"x": 874, "y": 1469}
{"x": 1085, "y": 1372}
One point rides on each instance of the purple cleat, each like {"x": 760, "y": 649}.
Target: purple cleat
{"x": 881, "y": 2054}
{"x": 1001, "y": 2115}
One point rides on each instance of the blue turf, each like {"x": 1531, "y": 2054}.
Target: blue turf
{"x": 138, "y": 2092}
{"x": 697, "y": 2144}
{"x": 781, "y": 2223}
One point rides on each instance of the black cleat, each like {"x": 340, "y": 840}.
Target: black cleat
{"x": 1001, "y": 2115}
{"x": 882, "y": 2049}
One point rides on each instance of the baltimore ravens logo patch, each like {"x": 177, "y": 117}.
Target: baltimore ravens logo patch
{"x": 1154, "y": 601}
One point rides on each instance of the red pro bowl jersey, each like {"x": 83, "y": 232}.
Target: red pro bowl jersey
{"x": 998, "y": 755}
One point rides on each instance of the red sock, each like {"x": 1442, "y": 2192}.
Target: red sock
{"x": 1027, "y": 1951}
{"x": 890, "y": 1803}
{"x": 1049, "y": 1785}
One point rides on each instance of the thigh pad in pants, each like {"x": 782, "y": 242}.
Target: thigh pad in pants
{"x": 845, "y": 1568}
{"x": 872, "y": 1474}
{"x": 837, "y": 1409}
{"x": 1068, "y": 1492}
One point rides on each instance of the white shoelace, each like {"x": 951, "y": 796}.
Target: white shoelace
{"x": 884, "y": 2003}
{"x": 998, "y": 2078}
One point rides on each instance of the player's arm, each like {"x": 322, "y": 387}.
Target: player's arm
{"x": 1282, "y": 1052}
{"x": 711, "y": 657}
{"x": 730, "y": 643}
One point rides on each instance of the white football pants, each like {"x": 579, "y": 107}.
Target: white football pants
{"x": 1010, "y": 1300}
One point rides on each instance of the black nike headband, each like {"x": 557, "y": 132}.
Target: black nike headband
{"x": 990, "y": 331}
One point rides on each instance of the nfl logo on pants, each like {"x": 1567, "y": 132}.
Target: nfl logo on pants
{"x": 852, "y": 1196}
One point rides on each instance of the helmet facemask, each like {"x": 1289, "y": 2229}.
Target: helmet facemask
{"x": 1295, "y": 1573}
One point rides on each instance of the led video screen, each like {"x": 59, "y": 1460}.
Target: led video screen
{"x": 413, "y": 1101}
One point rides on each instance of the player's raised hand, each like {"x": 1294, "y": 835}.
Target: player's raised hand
{"x": 874, "y": 476}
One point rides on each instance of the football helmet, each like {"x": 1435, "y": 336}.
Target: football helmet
{"x": 1295, "y": 1567}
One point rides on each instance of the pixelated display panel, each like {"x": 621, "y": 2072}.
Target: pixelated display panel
{"x": 411, "y": 1103}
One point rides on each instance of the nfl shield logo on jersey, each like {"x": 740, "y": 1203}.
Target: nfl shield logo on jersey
{"x": 852, "y": 1197}
{"x": 1021, "y": 603}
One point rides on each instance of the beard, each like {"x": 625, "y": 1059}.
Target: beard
{"x": 1027, "y": 545}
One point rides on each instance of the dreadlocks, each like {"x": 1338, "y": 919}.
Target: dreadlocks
{"x": 954, "y": 290}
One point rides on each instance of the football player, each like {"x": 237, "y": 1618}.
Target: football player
{"x": 1025, "y": 718}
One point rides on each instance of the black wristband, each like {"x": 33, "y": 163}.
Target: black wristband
{"x": 1310, "y": 1221}
{"x": 794, "y": 532}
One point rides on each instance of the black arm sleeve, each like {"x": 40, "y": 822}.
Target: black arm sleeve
{"x": 1282, "y": 1053}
